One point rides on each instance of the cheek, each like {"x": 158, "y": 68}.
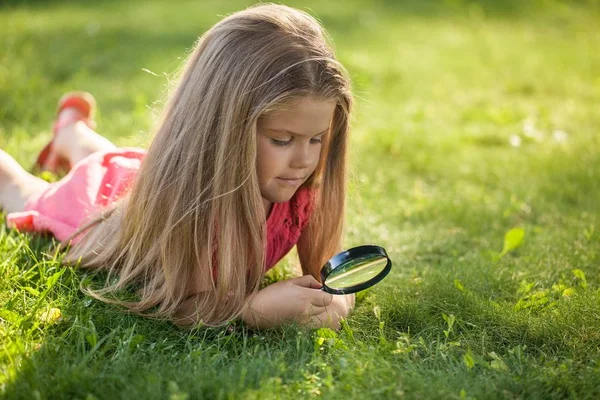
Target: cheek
{"x": 266, "y": 161}
{"x": 260, "y": 165}
{"x": 316, "y": 155}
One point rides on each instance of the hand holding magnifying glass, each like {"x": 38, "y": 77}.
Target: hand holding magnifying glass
{"x": 355, "y": 269}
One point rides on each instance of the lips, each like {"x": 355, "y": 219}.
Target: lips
{"x": 292, "y": 182}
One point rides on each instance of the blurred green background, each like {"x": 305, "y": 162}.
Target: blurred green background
{"x": 472, "y": 118}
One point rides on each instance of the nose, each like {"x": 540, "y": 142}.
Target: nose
{"x": 302, "y": 157}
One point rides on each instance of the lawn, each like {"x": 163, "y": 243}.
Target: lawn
{"x": 475, "y": 162}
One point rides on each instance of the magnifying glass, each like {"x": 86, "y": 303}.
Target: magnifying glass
{"x": 355, "y": 269}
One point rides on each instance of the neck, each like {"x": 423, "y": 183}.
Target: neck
{"x": 268, "y": 205}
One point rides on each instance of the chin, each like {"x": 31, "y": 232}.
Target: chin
{"x": 280, "y": 197}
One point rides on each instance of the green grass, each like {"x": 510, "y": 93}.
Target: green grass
{"x": 442, "y": 88}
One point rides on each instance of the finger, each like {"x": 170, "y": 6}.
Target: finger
{"x": 319, "y": 321}
{"x": 313, "y": 320}
{"x": 305, "y": 315}
{"x": 307, "y": 281}
{"x": 321, "y": 299}
{"x": 325, "y": 320}
{"x": 308, "y": 311}
{"x": 315, "y": 310}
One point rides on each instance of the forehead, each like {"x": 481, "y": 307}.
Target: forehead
{"x": 308, "y": 116}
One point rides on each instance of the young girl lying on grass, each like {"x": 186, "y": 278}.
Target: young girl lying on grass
{"x": 248, "y": 160}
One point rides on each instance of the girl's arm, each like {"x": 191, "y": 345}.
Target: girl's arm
{"x": 293, "y": 300}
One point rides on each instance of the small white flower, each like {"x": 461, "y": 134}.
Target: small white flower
{"x": 528, "y": 126}
{"x": 515, "y": 140}
{"x": 530, "y": 131}
{"x": 560, "y": 135}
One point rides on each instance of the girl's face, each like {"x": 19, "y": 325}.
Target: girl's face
{"x": 289, "y": 147}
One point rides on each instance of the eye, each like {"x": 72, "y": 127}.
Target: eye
{"x": 316, "y": 140}
{"x": 281, "y": 143}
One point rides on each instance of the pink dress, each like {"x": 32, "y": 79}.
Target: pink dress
{"x": 103, "y": 177}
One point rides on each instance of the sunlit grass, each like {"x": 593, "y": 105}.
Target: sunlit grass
{"x": 475, "y": 163}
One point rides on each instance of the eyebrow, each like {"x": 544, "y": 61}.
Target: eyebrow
{"x": 294, "y": 133}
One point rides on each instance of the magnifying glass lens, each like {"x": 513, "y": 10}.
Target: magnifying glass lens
{"x": 356, "y": 271}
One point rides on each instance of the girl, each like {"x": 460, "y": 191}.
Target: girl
{"x": 248, "y": 160}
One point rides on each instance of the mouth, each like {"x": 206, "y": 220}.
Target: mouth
{"x": 292, "y": 181}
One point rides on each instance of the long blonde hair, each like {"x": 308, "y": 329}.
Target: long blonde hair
{"x": 195, "y": 207}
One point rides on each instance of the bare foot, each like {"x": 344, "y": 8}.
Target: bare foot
{"x": 63, "y": 140}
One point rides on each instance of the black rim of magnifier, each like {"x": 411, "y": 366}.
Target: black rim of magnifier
{"x": 345, "y": 256}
